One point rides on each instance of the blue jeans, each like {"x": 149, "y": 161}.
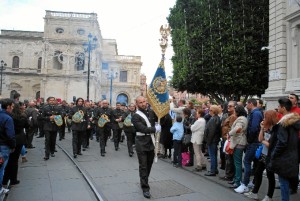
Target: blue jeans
{"x": 4, "y": 152}
{"x": 249, "y": 157}
{"x": 213, "y": 152}
{"x": 284, "y": 189}
{"x": 23, "y": 151}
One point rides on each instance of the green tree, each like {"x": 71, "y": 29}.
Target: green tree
{"x": 217, "y": 46}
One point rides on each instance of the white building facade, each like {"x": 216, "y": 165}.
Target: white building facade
{"x": 284, "y": 50}
{"x": 61, "y": 62}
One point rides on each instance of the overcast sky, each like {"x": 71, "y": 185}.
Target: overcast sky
{"x": 133, "y": 23}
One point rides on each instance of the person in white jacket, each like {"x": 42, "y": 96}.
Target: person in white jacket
{"x": 197, "y": 139}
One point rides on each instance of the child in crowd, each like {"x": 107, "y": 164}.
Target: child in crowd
{"x": 177, "y": 131}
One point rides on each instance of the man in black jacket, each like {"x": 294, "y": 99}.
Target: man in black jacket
{"x": 117, "y": 124}
{"x": 105, "y": 130}
{"x": 50, "y": 128}
{"x": 79, "y": 125}
{"x": 144, "y": 124}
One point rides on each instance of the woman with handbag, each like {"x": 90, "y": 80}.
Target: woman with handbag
{"x": 266, "y": 131}
{"x": 197, "y": 139}
{"x": 238, "y": 141}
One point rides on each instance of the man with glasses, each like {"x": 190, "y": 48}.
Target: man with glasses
{"x": 226, "y": 127}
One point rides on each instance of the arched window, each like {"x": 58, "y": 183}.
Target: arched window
{"x": 122, "y": 98}
{"x": 15, "y": 64}
{"x": 39, "y": 65}
{"x": 12, "y": 93}
{"x": 79, "y": 61}
{"x": 38, "y": 95}
{"x": 57, "y": 60}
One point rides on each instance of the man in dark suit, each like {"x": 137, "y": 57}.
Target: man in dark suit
{"x": 104, "y": 131}
{"x": 50, "y": 128}
{"x": 144, "y": 123}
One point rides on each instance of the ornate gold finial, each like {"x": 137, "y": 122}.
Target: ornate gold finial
{"x": 165, "y": 32}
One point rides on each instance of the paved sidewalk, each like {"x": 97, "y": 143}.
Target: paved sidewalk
{"x": 116, "y": 176}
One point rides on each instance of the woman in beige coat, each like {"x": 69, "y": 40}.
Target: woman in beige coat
{"x": 197, "y": 139}
{"x": 238, "y": 141}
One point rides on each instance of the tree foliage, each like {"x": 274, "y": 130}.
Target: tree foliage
{"x": 217, "y": 46}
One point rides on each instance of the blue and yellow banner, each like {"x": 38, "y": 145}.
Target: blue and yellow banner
{"x": 157, "y": 93}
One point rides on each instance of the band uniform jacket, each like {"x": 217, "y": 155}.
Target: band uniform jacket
{"x": 116, "y": 114}
{"x": 90, "y": 114}
{"x": 47, "y": 111}
{"x": 144, "y": 143}
{"x": 98, "y": 112}
{"x": 81, "y": 126}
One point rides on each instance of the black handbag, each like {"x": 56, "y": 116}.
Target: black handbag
{"x": 187, "y": 139}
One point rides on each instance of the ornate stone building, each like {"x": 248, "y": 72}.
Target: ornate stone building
{"x": 64, "y": 62}
{"x": 284, "y": 50}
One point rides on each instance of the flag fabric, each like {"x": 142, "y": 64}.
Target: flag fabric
{"x": 157, "y": 93}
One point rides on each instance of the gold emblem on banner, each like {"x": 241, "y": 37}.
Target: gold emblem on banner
{"x": 103, "y": 120}
{"x": 78, "y": 116}
{"x": 58, "y": 120}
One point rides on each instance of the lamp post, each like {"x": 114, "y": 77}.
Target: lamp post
{"x": 3, "y": 66}
{"x": 90, "y": 45}
{"x": 111, "y": 75}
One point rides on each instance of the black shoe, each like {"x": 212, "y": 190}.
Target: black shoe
{"x": 147, "y": 194}
{"x": 277, "y": 187}
{"x": 55, "y": 150}
{"x": 102, "y": 154}
{"x": 75, "y": 156}
{"x": 130, "y": 154}
{"x": 59, "y": 139}
{"x": 234, "y": 186}
{"x": 15, "y": 182}
{"x": 226, "y": 178}
{"x": 292, "y": 192}
{"x": 230, "y": 182}
{"x": 79, "y": 153}
{"x": 210, "y": 174}
{"x": 189, "y": 165}
{"x": 46, "y": 158}
{"x": 30, "y": 147}
{"x": 53, "y": 155}
{"x": 83, "y": 149}
{"x": 222, "y": 168}
{"x": 116, "y": 148}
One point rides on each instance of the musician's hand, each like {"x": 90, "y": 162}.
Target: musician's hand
{"x": 157, "y": 128}
{"x": 91, "y": 119}
{"x": 51, "y": 117}
{"x": 88, "y": 126}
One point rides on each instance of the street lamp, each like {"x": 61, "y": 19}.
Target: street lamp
{"x": 3, "y": 66}
{"x": 111, "y": 75}
{"x": 90, "y": 45}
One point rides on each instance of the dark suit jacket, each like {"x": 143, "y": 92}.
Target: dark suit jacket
{"x": 144, "y": 143}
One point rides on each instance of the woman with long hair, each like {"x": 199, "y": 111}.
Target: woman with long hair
{"x": 20, "y": 123}
{"x": 266, "y": 131}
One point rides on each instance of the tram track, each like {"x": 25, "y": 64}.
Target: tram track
{"x": 98, "y": 195}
